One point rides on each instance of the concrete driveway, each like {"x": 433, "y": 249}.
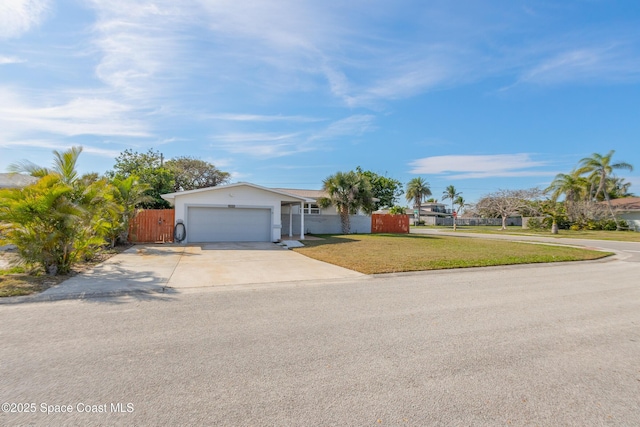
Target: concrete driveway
{"x": 222, "y": 264}
{"x": 172, "y": 268}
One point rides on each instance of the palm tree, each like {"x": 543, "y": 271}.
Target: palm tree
{"x": 128, "y": 193}
{"x": 461, "y": 203}
{"x": 45, "y": 224}
{"x": 64, "y": 166}
{"x": 417, "y": 190}
{"x": 349, "y": 192}
{"x": 450, "y": 193}
{"x": 618, "y": 188}
{"x": 599, "y": 168}
{"x": 572, "y": 186}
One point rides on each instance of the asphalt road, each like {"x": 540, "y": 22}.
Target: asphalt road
{"x": 544, "y": 345}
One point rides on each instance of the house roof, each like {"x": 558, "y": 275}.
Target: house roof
{"x": 309, "y": 194}
{"x": 16, "y": 180}
{"x": 627, "y": 204}
{"x": 172, "y": 196}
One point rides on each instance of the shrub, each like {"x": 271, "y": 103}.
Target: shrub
{"x": 535, "y": 224}
{"x": 46, "y": 225}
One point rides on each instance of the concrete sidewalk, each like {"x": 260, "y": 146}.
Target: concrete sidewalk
{"x": 171, "y": 268}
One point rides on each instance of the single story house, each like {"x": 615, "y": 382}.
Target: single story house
{"x": 628, "y": 208}
{"x": 249, "y": 212}
{"x": 16, "y": 180}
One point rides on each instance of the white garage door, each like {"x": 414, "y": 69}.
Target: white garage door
{"x": 228, "y": 225}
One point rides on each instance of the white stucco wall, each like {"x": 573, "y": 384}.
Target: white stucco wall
{"x": 326, "y": 224}
{"x": 238, "y": 196}
{"x": 331, "y": 210}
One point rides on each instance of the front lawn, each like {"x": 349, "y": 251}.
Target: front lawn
{"x": 390, "y": 253}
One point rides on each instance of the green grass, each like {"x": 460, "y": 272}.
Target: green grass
{"x": 12, "y": 270}
{"x": 388, "y": 253}
{"x": 623, "y": 236}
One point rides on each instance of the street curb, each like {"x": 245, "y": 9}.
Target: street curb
{"x": 84, "y": 295}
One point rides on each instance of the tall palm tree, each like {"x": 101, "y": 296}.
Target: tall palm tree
{"x": 450, "y": 193}
{"x": 417, "y": 190}
{"x": 348, "y": 192}
{"x": 461, "y": 203}
{"x": 600, "y": 168}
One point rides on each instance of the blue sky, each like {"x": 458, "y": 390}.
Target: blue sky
{"x": 479, "y": 94}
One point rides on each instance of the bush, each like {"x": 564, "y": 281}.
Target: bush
{"x": 46, "y": 225}
{"x": 535, "y": 224}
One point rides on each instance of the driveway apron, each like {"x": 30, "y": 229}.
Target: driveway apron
{"x": 155, "y": 268}
{"x": 220, "y": 264}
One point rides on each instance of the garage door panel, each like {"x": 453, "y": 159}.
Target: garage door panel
{"x": 207, "y": 224}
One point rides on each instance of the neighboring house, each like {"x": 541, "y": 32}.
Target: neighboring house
{"x": 16, "y": 180}
{"x": 429, "y": 212}
{"x": 628, "y": 208}
{"x": 248, "y": 212}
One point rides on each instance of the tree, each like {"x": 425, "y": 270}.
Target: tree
{"x": 572, "y": 186}
{"x": 179, "y": 174}
{"x": 190, "y": 173}
{"x": 618, "y": 188}
{"x": 461, "y": 203}
{"x": 417, "y": 190}
{"x": 150, "y": 169}
{"x": 128, "y": 193}
{"x": 396, "y": 210}
{"x": 47, "y": 225}
{"x": 386, "y": 190}
{"x": 64, "y": 166}
{"x": 450, "y": 193}
{"x": 348, "y": 192}
{"x": 506, "y": 203}
{"x": 600, "y": 168}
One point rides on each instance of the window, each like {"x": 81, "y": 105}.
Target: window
{"x": 311, "y": 209}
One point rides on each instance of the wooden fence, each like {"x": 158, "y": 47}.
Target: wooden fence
{"x": 152, "y": 226}
{"x": 385, "y": 223}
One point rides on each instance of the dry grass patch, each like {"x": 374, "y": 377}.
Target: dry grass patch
{"x": 385, "y": 253}
{"x": 16, "y": 280}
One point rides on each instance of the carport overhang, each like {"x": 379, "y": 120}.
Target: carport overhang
{"x": 285, "y": 199}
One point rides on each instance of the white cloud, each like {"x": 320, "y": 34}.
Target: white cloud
{"x": 611, "y": 63}
{"x": 10, "y": 60}
{"x": 480, "y": 166}
{"x": 274, "y": 144}
{"x": 140, "y": 44}
{"x": 19, "y": 16}
{"x": 252, "y": 137}
{"x": 77, "y": 116}
{"x": 262, "y": 118}
{"x": 265, "y": 145}
{"x": 37, "y": 143}
{"x": 351, "y": 126}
